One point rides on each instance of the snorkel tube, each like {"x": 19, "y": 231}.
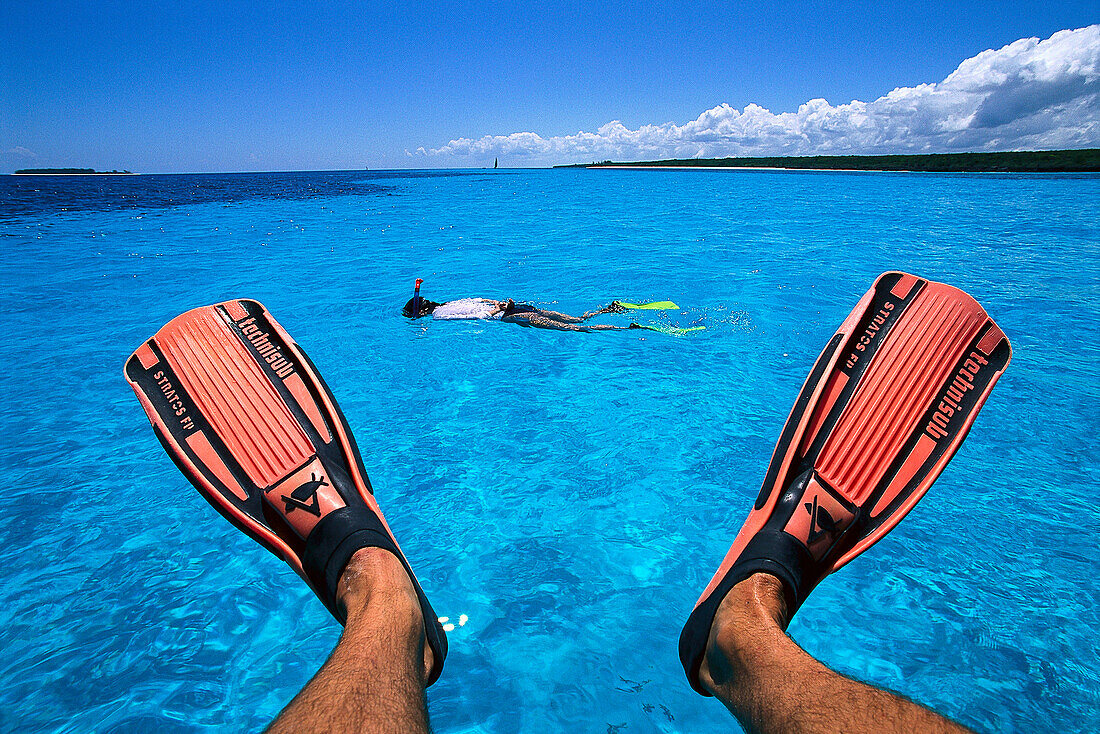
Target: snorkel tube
{"x": 416, "y": 299}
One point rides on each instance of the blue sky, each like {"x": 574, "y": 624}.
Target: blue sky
{"x": 233, "y": 86}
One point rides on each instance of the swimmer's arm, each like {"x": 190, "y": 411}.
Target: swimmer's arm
{"x": 500, "y": 305}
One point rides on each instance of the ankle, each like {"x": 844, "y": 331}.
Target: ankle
{"x": 379, "y": 598}
{"x": 764, "y": 599}
{"x": 747, "y": 622}
{"x": 374, "y": 577}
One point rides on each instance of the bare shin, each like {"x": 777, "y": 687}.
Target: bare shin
{"x": 770, "y": 684}
{"x": 374, "y": 680}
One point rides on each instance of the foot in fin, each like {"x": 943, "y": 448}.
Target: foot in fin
{"x": 244, "y": 414}
{"x": 884, "y": 409}
{"x": 655, "y": 305}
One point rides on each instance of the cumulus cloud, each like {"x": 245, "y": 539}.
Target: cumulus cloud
{"x": 1030, "y": 95}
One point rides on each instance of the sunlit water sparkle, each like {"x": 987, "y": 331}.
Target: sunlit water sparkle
{"x": 570, "y": 494}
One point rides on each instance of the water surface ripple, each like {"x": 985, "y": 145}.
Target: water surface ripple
{"x": 571, "y": 494}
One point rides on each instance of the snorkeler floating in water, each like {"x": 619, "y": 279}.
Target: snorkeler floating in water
{"x": 886, "y": 406}
{"x": 508, "y": 310}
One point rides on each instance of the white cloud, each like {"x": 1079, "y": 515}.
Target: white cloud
{"x": 21, "y": 152}
{"x": 1032, "y": 94}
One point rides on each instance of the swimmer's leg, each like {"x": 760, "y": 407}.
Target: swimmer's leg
{"x": 562, "y": 317}
{"x": 267, "y": 446}
{"x": 567, "y": 319}
{"x": 375, "y": 678}
{"x": 539, "y": 321}
{"x": 613, "y": 307}
{"x": 772, "y": 685}
{"x": 865, "y": 410}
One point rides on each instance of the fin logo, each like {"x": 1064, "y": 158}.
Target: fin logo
{"x": 821, "y": 522}
{"x": 270, "y": 353}
{"x": 951, "y": 400}
{"x": 305, "y": 496}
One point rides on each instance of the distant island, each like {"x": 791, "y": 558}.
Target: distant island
{"x": 69, "y": 172}
{"x": 1042, "y": 161}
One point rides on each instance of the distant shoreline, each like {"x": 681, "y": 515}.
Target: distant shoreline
{"x": 1046, "y": 161}
{"x": 69, "y": 172}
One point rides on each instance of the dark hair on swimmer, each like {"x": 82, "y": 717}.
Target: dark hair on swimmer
{"x": 426, "y": 307}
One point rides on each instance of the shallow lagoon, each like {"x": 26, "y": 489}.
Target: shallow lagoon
{"x": 570, "y": 493}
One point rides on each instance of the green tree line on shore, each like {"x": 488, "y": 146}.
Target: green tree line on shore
{"x": 1042, "y": 161}
{"x": 66, "y": 172}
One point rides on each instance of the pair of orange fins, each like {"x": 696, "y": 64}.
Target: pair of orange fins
{"x": 248, "y": 419}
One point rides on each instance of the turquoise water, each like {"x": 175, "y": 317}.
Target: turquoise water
{"x": 571, "y": 494}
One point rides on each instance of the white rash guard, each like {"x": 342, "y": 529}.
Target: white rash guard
{"x": 468, "y": 308}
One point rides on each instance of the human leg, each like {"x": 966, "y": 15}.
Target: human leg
{"x": 612, "y": 307}
{"x": 569, "y": 319}
{"x": 886, "y": 406}
{"x": 374, "y": 680}
{"x": 558, "y": 316}
{"x": 539, "y": 321}
{"x": 246, "y": 418}
{"x": 770, "y": 684}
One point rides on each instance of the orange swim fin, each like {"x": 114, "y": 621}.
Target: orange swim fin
{"x": 884, "y": 409}
{"x": 244, "y": 414}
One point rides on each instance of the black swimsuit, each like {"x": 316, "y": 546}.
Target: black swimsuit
{"x": 520, "y": 308}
